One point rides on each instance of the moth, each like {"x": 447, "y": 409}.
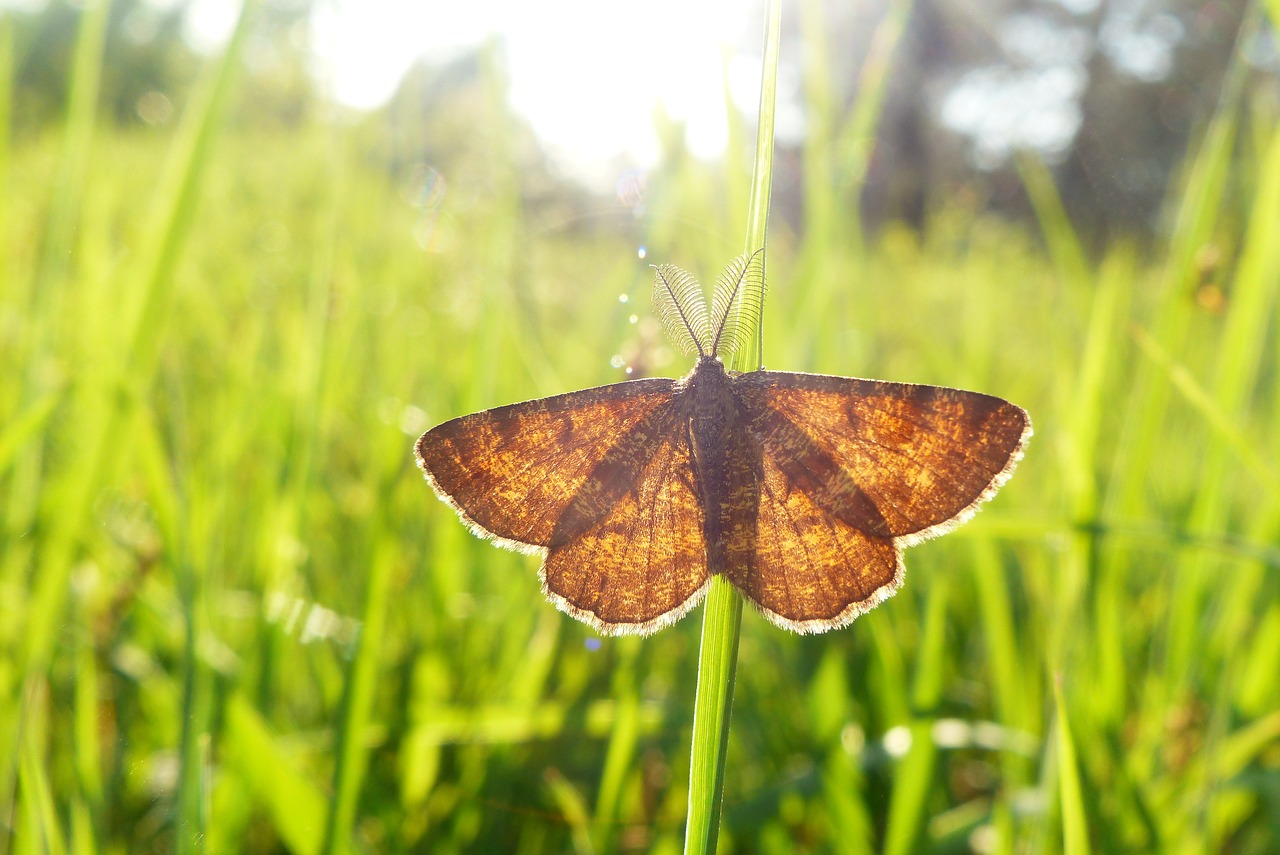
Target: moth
{"x": 801, "y": 489}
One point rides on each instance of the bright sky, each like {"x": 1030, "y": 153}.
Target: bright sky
{"x": 586, "y": 73}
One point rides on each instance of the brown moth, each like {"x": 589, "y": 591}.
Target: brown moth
{"x": 801, "y": 489}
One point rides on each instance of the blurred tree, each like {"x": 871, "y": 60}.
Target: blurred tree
{"x": 144, "y": 53}
{"x": 149, "y": 63}
{"x": 282, "y": 90}
{"x": 1109, "y": 93}
{"x": 453, "y": 119}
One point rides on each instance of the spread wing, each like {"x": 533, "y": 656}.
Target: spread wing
{"x": 642, "y": 563}
{"x": 848, "y": 472}
{"x": 804, "y": 567}
{"x": 599, "y": 482}
{"x": 511, "y": 472}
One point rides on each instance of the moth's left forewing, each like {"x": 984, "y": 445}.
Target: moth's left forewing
{"x": 910, "y": 461}
{"x": 849, "y": 473}
{"x": 806, "y": 569}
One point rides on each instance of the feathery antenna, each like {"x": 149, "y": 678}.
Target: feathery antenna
{"x": 680, "y": 305}
{"x": 737, "y": 302}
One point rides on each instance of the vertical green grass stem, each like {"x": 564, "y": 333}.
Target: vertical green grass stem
{"x": 762, "y": 172}
{"x": 717, "y": 667}
{"x": 1075, "y": 826}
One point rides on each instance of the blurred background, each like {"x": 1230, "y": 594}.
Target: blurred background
{"x": 248, "y": 255}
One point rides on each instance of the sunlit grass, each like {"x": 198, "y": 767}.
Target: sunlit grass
{"x": 235, "y": 619}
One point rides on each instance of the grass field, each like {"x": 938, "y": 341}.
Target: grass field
{"x": 235, "y": 619}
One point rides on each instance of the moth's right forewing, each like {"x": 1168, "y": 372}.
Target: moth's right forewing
{"x": 511, "y": 472}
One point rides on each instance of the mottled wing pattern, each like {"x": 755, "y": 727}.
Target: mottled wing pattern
{"x": 849, "y": 472}
{"x": 894, "y": 459}
{"x": 600, "y": 482}
{"x": 513, "y": 472}
{"x": 804, "y": 567}
{"x": 642, "y": 564}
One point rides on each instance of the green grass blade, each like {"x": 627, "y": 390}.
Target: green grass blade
{"x": 623, "y": 739}
{"x": 25, "y": 427}
{"x": 820, "y": 186}
{"x": 1011, "y": 675}
{"x": 77, "y": 148}
{"x": 83, "y": 838}
{"x": 573, "y": 807}
{"x": 1075, "y": 827}
{"x": 717, "y": 669}
{"x": 42, "y": 832}
{"x": 33, "y": 823}
{"x": 358, "y": 701}
{"x": 856, "y": 141}
{"x": 914, "y": 774}
{"x": 87, "y": 749}
{"x": 296, "y": 807}
{"x": 1073, "y": 270}
{"x": 909, "y": 794}
{"x": 1184, "y": 382}
{"x": 762, "y": 172}
{"x": 1251, "y": 313}
{"x": 1059, "y": 234}
{"x": 6, "y": 123}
